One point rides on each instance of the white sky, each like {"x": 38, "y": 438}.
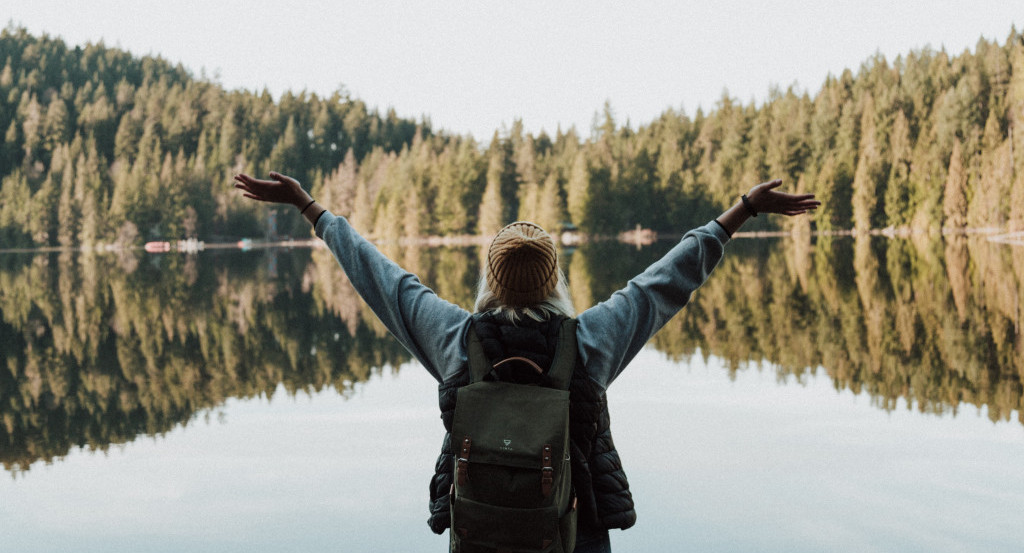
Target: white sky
{"x": 472, "y": 67}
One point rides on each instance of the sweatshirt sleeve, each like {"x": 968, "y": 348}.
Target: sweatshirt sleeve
{"x": 432, "y": 329}
{"x": 612, "y": 332}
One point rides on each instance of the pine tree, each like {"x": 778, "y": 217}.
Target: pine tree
{"x": 897, "y": 192}
{"x": 491, "y": 217}
{"x": 529, "y": 201}
{"x": 338, "y": 189}
{"x": 528, "y": 193}
{"x": 865, "y": 180}
{"x": 450, "y": 215}
{"x": 9, "y": 150}
{"x": 31, "y": 127}
{"x": 954, "y": 202}
{"x": 362, "y": 209}
{"x": 67, "y": 209}
{"x": 990, "y": 187}
{"x": 578, "y": 192}
{"x": 56, "y": 126}
{"x": 1017, "y": 203}
{"x": 550, "y": 205}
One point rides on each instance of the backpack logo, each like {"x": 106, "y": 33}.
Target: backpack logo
{"x": 507, "y": 446}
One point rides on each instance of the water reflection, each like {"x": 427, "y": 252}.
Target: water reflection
{"x": 936, "y": 323}
{"x": 98, "y": 350}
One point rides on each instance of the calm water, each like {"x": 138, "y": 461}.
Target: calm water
{"x": 830, "y": 395}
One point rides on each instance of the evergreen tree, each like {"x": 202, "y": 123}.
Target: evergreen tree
{"x": 954, "y": 203}
{"x": 551, "y": 207}
{"x": 491, "y": 217}
{"x": 579, "y": 192}
{"x": 865, "y": 179}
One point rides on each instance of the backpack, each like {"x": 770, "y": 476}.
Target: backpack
{"x": 512, "y": 488}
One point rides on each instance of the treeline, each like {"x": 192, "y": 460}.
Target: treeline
{"x": 100, "y": 146}
{"x": 104, "y": 147}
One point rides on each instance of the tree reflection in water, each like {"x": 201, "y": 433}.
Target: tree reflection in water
{"x": 98, "y": 349}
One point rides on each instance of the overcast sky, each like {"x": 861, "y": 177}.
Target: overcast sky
{"x": 472, "y": 67}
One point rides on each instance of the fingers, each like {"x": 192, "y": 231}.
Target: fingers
{"x": 246, "y": 179}
{"x": 249, "y": 193}
{"x": 790, "y": 208}
{"x": 772, "y": 184}
{"x": 244, "y": 188}
{"x": 284, "y": 179}
{"x": 241, "y": 184}
{"x": 795, "y": 197}
{"x": 265, "y": 182}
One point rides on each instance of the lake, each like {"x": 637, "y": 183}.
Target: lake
{"x": 817, "y": 394}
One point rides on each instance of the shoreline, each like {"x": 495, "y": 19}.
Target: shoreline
{"x": 640, "y": 237}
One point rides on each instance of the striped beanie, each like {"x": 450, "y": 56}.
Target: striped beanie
{"x": 522, "y": 265}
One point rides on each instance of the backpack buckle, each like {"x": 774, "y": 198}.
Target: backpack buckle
{"x": 546, "y": 480}
{"x": 462, "y": 464}
{"x": 547, "y": 472}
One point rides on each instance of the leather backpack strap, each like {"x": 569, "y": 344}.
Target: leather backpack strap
{"x": 523, "y": 360}
{"x": 566, "y": 351}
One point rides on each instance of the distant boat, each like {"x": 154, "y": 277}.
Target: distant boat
{"x": 157, "y": 247}
{"x": 191, "y": 245}
{"x": 639, "y": 236}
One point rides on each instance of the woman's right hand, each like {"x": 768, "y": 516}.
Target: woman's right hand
{"x": 282, "y": 189}
{"x": 764, "y": 198}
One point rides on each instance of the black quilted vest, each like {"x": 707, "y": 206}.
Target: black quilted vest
{"x": 602, "y": 491}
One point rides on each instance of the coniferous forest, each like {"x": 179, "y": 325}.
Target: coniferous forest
{"x": 101, "y": 147}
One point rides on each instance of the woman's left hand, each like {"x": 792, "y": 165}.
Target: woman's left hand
{"x": 765, "y": 199}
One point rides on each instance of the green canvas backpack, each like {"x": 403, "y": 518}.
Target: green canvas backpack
{"x": 513, "y": 487}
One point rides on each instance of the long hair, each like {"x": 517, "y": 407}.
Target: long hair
{"x": 558, "y": 302}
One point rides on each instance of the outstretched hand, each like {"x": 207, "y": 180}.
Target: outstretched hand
{"x": 765, "y": 199}
{"x": 282, "y": 189}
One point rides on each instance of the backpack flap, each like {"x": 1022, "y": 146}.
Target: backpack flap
{"x": 510, "y": 424}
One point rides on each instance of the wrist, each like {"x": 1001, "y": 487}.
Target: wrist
{"x": 748, "y": 205}
{"x": 302, "y": 200}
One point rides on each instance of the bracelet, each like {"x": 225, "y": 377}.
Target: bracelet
{"x": 746, "y": 204}
{"x": 311, "y": 202}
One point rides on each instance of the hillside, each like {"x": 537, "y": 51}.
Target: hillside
{"x": 102, "y": 147}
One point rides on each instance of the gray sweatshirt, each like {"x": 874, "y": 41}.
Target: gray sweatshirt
{"x": 609, "y": 334}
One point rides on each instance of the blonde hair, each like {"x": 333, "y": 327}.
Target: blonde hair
{"x": 558, "y": 302}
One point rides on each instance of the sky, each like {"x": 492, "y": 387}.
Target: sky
{"x": 474, "y": 67}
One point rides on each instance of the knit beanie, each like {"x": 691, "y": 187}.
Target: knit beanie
{"x": 522, "y": 265}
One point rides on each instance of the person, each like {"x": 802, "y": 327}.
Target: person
{"x": 521, "y": 299}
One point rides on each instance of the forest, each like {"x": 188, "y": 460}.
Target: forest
{"x": 102, "y": 148}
